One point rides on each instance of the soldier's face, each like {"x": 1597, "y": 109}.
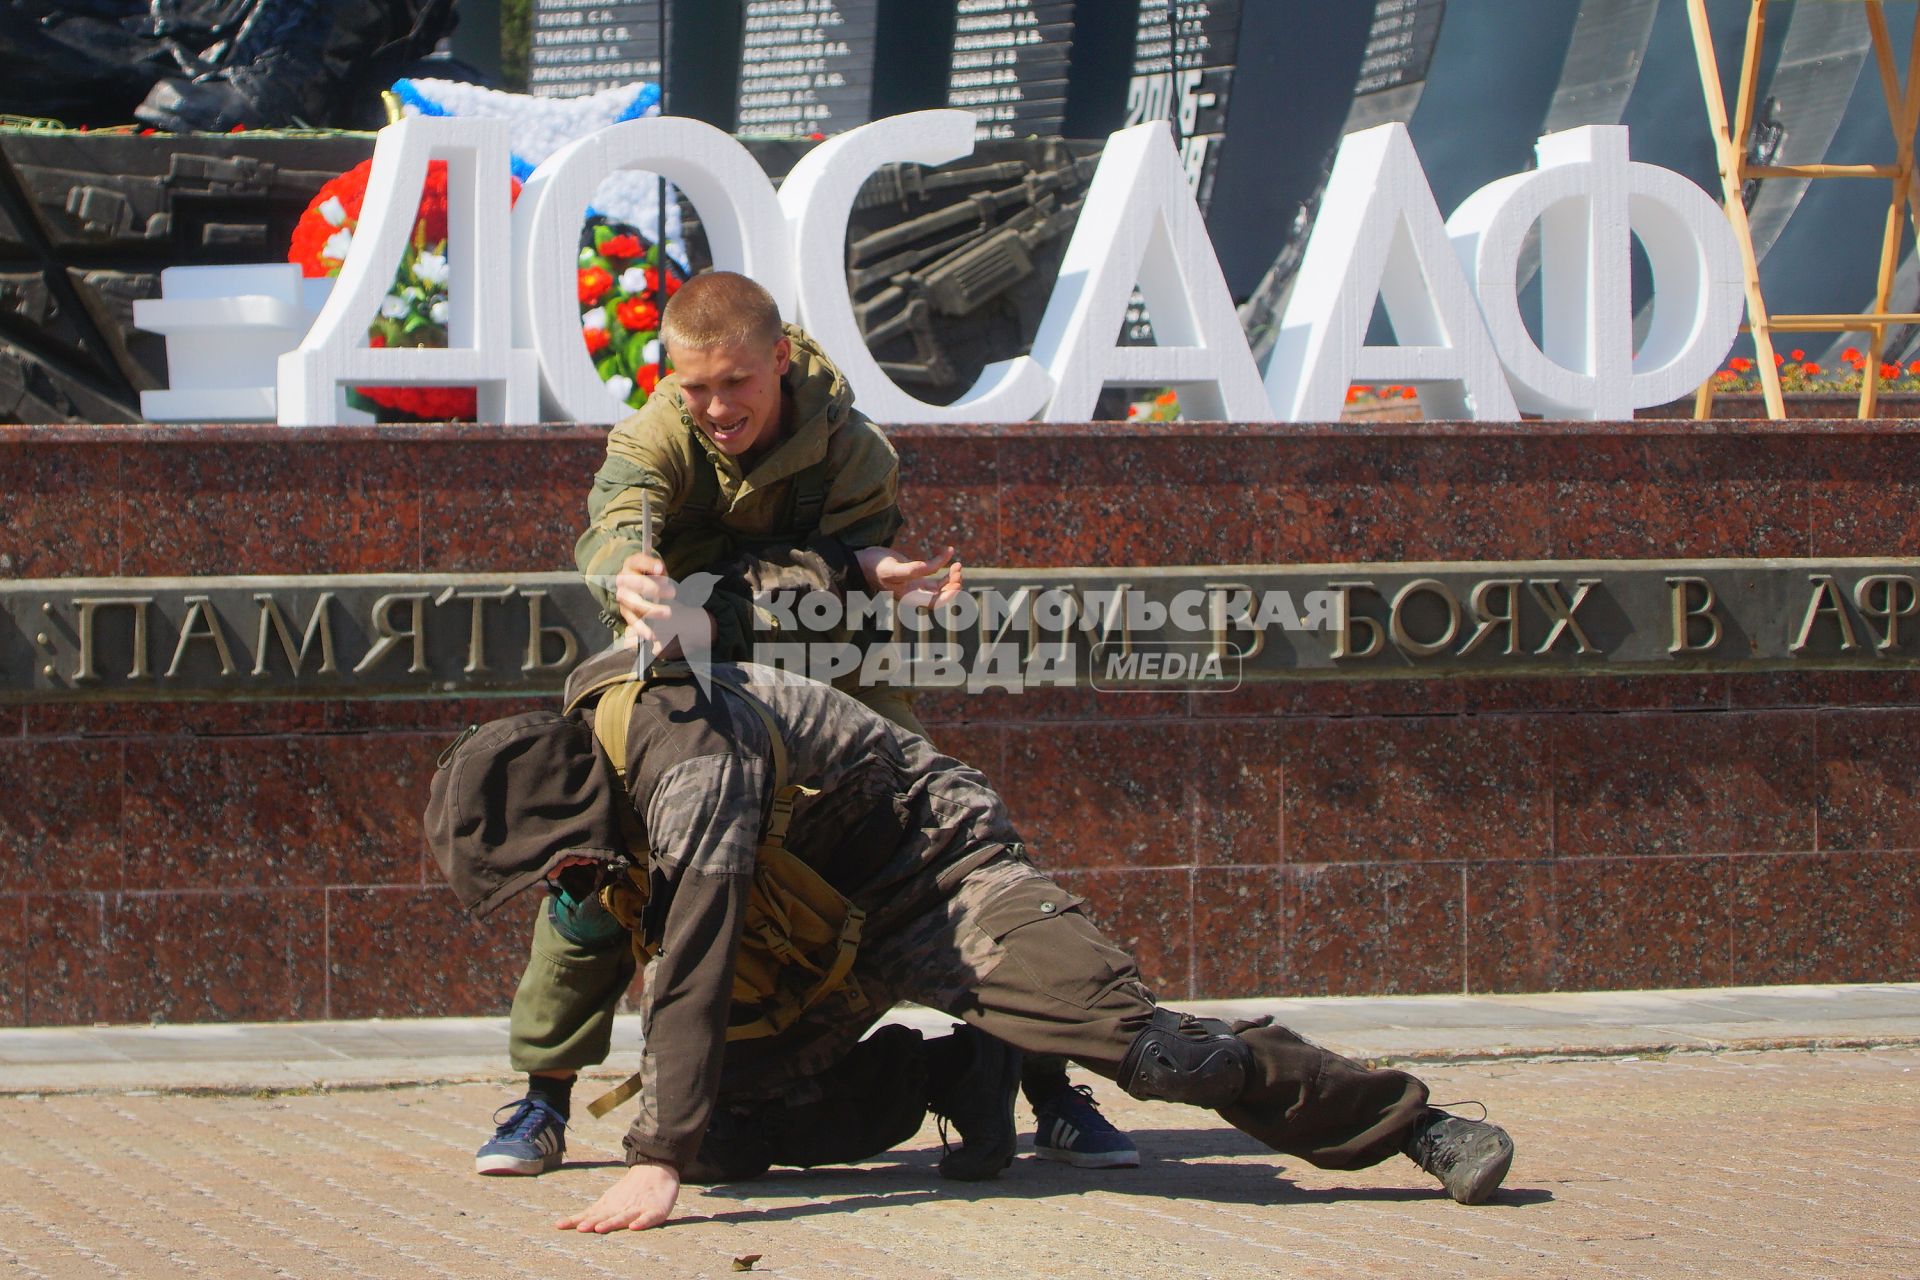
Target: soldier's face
{"x": 733, "y": 392}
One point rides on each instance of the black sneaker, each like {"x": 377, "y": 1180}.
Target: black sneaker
{"x": 979, "y": 1103}
{"x": 1470, "y": 1157}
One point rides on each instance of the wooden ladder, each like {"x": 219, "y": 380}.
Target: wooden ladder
{"x": 1731, "y": 141}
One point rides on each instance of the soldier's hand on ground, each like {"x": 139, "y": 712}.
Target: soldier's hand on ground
{"x": 642, "y": 1198}
{"x": 922, "y": 582}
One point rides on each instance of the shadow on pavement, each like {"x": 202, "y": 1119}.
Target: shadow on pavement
{"x": 1174, "y": 1166}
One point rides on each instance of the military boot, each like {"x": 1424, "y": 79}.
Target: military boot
{"x": 1470, "y": 1157}
{"x": 971, "y": 1084}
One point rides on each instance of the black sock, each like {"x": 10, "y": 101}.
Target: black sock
{"x": 555, "y": 1091}
{"x": 1042, "y": 1077}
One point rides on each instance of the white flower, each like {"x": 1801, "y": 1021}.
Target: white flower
{"x": 633, "y": 280}
{"x": 594, "y": 319}
{"x": 439, "y": 312}
{"x": 431, "y": 268}
{"x": 650, "y": 354}
{"x": 394, "y": 307}
{"x": 620, "y": 386}
{"x": 412, "y": 293}
{"x": 337, "y": 245}
{"x": 334, "y": 212}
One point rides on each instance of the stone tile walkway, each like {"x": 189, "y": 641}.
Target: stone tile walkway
{"x": 1723, "y": 1159}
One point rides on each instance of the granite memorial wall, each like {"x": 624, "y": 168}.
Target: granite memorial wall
{"x": 226, "y": 859}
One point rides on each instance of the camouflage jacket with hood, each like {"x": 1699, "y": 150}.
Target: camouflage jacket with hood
{"x": 889, "y": 821}
{"x": 661, "y": 452}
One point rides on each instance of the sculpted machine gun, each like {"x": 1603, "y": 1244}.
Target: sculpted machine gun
{"x": 953, "y": 261}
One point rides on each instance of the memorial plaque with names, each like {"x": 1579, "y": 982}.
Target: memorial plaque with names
{"x": 1183, "y": 66}
{"x": 806, "y": 66}
{"x": 1010, "y": 63}
{"x": 1400, "y": 46}
{"x": 581, "y": 48}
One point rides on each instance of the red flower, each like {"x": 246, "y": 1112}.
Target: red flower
{"x": 1167, "y": 397}
{"x": 1353, "y": 394}
{"x": 647, "y": 377}
{"x": 621, "y": 247}
{"x": 594, "y": 284}
{"x": 1778, "y": 358}
{"x": 638, "y": 315}
{"x": 1889, "y": 371}
{"x": 1740, "y": 364}
{"x": 1810, "y": 368}
{"x": 1914, "y": 368}
{"x": 1133, "y": 411}
{"x": 434, "y": 404}
{"x": 1852, "y": 355}
{"x": 673, "y": 284}
{"x": 1797, "y": 354}
{"x": 1408, "y": 393}
{"x": 1726, "y": 375}
{"x": 597, "y": 340}
{"x": 313, "y": 230}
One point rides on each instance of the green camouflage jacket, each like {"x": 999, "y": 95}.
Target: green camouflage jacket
{"x": 833, "y": 470}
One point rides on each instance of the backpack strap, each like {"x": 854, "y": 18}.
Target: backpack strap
{"x": 809, "y": 499}
{"x": 610, "y": 722}
{"x": 773, "y": 853}
{"x": 613, "y": 716}
{"x": 701, "y": 506}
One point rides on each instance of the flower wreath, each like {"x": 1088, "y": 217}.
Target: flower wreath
{"x": 623, "y": 290}
{"x": 620, "y": 287}
{"x": 414, "y": 313}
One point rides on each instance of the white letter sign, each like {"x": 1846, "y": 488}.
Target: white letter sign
{"x": 1140, "y": 224}
{"x": 479, "y": 351}
{"x": 1590, "y": 201}
{"x": 1379, "y": 235}
{"x": 817, "y": 197}
{"x": 737, "y": 206}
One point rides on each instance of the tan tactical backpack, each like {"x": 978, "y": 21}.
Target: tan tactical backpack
{"x": 801, "y": 934}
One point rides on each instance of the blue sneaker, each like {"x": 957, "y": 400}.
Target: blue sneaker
{"x": 532, "y": 1139}
{"x": 1071, "y": 1129}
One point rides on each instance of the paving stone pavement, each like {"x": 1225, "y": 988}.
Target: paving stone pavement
{"x": 1738, "y": 1164}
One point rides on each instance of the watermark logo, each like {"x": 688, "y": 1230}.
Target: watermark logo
{"x": 1168, "y": 666}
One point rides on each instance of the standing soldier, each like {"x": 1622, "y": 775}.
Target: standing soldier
{"x": 748, "y": 463}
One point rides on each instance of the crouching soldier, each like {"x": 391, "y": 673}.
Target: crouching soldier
{"x": 724, "y": 816}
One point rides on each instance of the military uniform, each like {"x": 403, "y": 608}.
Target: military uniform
{"x": 828, "y": 488}
{"x": 956, "y": 916}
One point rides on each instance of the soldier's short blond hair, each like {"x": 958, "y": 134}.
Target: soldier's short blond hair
{"x": 717, "y": 309}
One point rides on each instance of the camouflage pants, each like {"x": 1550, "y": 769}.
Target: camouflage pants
{"x": 1011, "y": 953}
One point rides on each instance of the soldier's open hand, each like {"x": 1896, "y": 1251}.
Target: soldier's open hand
{"x": 921, "y": 582}
{"x": 642, "y": 1198}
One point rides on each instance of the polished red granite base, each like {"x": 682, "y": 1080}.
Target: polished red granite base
{"x": 195, "y": 862}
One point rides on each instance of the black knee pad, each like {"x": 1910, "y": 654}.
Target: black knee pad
{"x": 1180, "y": 1058}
